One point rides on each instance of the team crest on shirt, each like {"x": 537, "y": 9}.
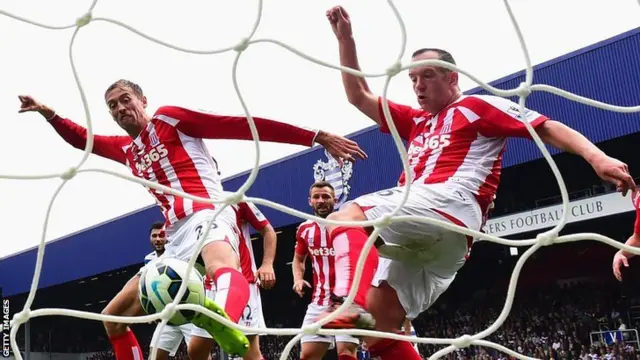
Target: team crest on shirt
{"x": 331, "y": 172}
{"x": 153, "y": 139}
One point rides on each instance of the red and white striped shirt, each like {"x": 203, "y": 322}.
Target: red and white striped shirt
{"x": 170, "y": 151}
{"x": 463, "y": 144}
{"x": 635, "y": 198}
{"x": 313, "y": 239}
{"x": 248, "y": 215}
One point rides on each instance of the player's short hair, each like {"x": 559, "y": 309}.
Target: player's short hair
{"x": 321, "y": 184}
{"x": 443, "y": 55}
{"x": 158, "y": 225}
{"x": 125, "y": 83}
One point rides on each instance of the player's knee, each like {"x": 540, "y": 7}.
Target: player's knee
{"x": 254, "y": 349}
{"x": 199, "y": 350}
{"x": 253, "y": 354}
{"x": 345, "y": 348}
{"x": 217, "y": 255}
{"x": 384, "y": 305}
{"x": 309, "y": 356}
{"x": 351, "y": 212}
{"x": 160, "y": 354}
{"x": 112, "y": 328}
{"x": 311, "y": 352}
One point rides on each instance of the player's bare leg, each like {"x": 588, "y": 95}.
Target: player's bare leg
{"x": 313, "y": 350}
{"x": 384, "y": 305}
{"x": 125, "y": 303}
{"x": 161, "y": 354}
{"x": 232, "y": 295}
{"x": 254, "y": 348}
{"x": 348, "y": 243}
{"x": 199, "y": 348}
{"x": 347, "y": 350}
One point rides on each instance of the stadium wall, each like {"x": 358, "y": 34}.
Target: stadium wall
{"x": 606, "y": 71}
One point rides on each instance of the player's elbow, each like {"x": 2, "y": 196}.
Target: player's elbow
{"x": 354, "y": 98}
{"x": 298, "y": 262}
{"x": 357, "y": 96}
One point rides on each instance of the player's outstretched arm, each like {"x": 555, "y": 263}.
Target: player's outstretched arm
{"x": 265, "y": 273}
{"x": 621, "y": 258}
{"x": 356, "y": 87}
{"x": 297, "y": 265}
{"x": 557, "y": 134}
{"x": 299, "y": 283}
{"x": 210, "y": 126}
{"x": 74, "y": 134}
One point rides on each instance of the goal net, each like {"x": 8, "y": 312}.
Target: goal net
{"x": 522, "y": 92}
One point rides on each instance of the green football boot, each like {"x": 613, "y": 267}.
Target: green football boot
{"x": 232, "y": 341}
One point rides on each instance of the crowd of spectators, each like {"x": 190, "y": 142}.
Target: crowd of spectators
{"x": 551, "y": 322}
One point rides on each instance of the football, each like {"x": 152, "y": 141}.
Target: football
{"x": 160, "y": 281}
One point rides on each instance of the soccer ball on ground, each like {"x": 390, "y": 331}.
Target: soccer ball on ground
{"x": 160, "y": 281}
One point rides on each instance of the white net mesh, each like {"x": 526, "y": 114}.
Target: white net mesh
{"x": 523, "y": 91}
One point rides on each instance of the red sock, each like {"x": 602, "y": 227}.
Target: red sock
{"x": 348, "y": 244}
{"x": 345, "y": 357}
{"x": 126, "y": 347}
{"x": 232, "y": 292}
{"x": 387, "y": 349}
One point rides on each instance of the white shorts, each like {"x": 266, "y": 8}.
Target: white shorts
{"x": 313, "y": 311}
{"x": 184, "y": 235}
{"x": 442, "y": 252}
{"x": 171, "y": 336}
{"x": 252, "y": 315}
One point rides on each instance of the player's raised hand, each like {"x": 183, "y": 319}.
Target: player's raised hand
{"x": 340, "y": 22}
{"x": 28, "y": 103}
{"x": 619, "y": 260}
{"x": 616, "y": 172}
{"x": 267, "y": 276}
{"x": 340, "y": 147}
{"x": 299, "y": 286}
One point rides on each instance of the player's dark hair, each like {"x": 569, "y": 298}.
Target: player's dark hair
{"x": 158, "y": 225}
{"x": 125, "y": 83}
{"x": 321, "y": 184}
{"x": 443, "y": 55}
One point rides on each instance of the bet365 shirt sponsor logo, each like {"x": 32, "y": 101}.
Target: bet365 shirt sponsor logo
{"x": 433, "y": 142}
{"x": 323, "y": 251}
{"x": 152, "y": 156}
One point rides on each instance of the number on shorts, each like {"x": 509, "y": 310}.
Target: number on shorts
{"x": 389, "y": 192}
{"x": 198, "y": 229}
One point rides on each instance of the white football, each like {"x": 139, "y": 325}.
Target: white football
{"x": 160, "y": 281}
